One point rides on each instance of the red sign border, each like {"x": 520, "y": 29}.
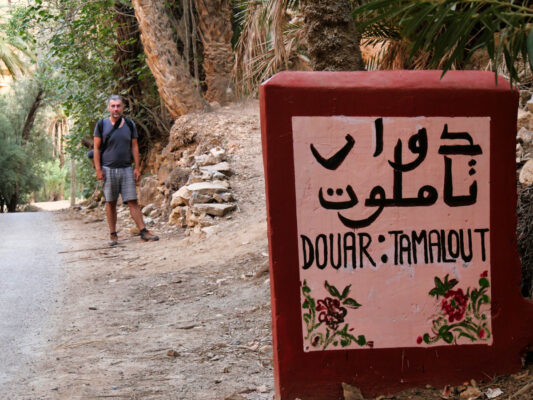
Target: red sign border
{"x": 318, "y": 375}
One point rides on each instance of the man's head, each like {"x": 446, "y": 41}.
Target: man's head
{"x": 115, "y": 106}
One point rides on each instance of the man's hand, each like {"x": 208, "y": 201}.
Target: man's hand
{"x": 100, "y": 175}
{"x": 136, "y": 174}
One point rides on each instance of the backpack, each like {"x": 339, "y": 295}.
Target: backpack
{"x": 100, "y": 127}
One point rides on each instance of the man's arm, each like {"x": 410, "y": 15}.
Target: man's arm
{"x": 96, "y": 157}
{"x": 136, "y": 160}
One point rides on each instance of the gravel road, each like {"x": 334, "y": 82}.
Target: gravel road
{"x": 29, "y": 276}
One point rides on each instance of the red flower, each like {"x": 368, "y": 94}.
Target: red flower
{"x": 419, "y": 340}
{"x": 484, "y": 274}
{"x": 454, "y": 304}
{"x": 331, "y": 312}
{"x": 370, "y": 344}
{"x": 481, "y": 333}
{"x": 315, "y": 341}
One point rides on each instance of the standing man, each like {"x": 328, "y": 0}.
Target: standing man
{"x": 115, "y": 141}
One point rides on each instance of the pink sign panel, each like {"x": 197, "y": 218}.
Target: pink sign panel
{"x": 391, "y": 202}
{"x": 397, "y": 251}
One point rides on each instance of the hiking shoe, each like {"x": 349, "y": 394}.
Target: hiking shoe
{"x": 114, "y": 239}
{"x": 146, "y": 235}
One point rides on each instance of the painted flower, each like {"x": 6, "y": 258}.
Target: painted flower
{"x": 481, "y": 333}
{"x": 454, "y": 304}
{"x": 331, "y": 312}
{"x": 484, "y": 274}
{"x": 419, "y": 340}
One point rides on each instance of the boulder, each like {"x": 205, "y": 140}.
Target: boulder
{"x": 205, "y": 159}
{"x": 181, "y": 197}
{"x": 148, "y": 209}
{"x": 200, "y": 198}
{"x": 214, "y": 209}
{"x": 209, "y": 188}
{"x": 222, "y": 168}
{"x": 219, "y": 153}
{"x": 523, "y": 119}
{"x": 163, "y": 173}
{"x": 526, "y": 174}
{"x": 177, "y": 178}
{"x": 177, "y": 216}
{"x": 148, "y": 190}
{"x": 525, "y": 136}
{"x": 530, "y": 105}
{"x": 223, "y": 197}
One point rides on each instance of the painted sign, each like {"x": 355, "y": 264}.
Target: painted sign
{"x": 400, "y": 229}
{"x": 392, "y": 230}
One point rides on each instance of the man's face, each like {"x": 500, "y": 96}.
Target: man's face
{"x": 115, "y": 108}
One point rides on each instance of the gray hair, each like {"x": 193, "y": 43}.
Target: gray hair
{"x": 114, "y": 97}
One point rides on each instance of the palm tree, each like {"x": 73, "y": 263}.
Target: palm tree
{"x": 446, "y": 34}
{"x": 174, "y": 82}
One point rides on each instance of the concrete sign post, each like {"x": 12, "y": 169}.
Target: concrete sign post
{"x": 391, "y": 208}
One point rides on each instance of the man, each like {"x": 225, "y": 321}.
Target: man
{"x": 115, "y": 141}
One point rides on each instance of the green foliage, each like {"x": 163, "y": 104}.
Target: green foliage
{"x": 450, "y": 31}
{"x": 54, "y": 178}
{"x": 20, "y": 159}
{"x": 82, "y": 61}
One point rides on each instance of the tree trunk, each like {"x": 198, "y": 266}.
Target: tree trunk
{"x": 12, "y": 203}
{"x": 30, "y": 118}
{"x": 332, "y": 38}
{"x": 214, "y": 22}
{"x": 139, "y": 98}
{"x": 172, "y": 76}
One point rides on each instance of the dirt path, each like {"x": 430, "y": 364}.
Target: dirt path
{"x": 182, "y": 318}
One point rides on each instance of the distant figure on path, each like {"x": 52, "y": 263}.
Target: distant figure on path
{"x": 115, "y": 141}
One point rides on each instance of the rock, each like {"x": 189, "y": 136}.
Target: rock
{"x": 526, "y": 174}
{"x": 177, "y": 178}
{"x": 148, "y": 221}
{"x": 209, "y": 230}
{"x": 173, "y": 353}
{"x": 148, "y": 190}
{"x": 177, "y": 216}
{"x": 148, "y": 209}
{"x": 524, "y": 97}
{"x": 209, "y": 188}
{"x": 470, "y": 393}
{"x": 218, "y": 176}
{"x": 214, "y": 105}
{"x": 215, "y": 209}
{"x": 163, "y": 173}
{"x": 223, "y": 197}
{"x": 181, "y": 197}
{"x": 351, "y": 392}
{"x": 135, "y": 231}
{"x": 529, "y": 105}
{"x": 219, "y": 153}
{"x": 523, "y": 119}
{"x": 197, "y": 198}
{"x": 205, "y": 159}
{"x": 222, "y": 167}
{"x": 525, "y": 135}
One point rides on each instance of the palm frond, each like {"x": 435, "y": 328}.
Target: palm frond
{"x": 449, "y": 32}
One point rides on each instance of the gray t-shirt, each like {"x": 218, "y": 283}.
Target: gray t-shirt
{"x": 117, "y": 153}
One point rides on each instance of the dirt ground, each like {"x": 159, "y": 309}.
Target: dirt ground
{"x": 187, "y": 317}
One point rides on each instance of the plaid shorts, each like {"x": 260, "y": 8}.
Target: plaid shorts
{"x": 119, "y": 180}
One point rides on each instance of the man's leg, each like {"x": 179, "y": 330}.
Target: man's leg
{"x": 136, "y": 214}
{"x": 111, "y": 211}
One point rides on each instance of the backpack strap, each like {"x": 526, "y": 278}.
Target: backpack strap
{"x": 129, "y": 122}
{"x": 100, "y": 125}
